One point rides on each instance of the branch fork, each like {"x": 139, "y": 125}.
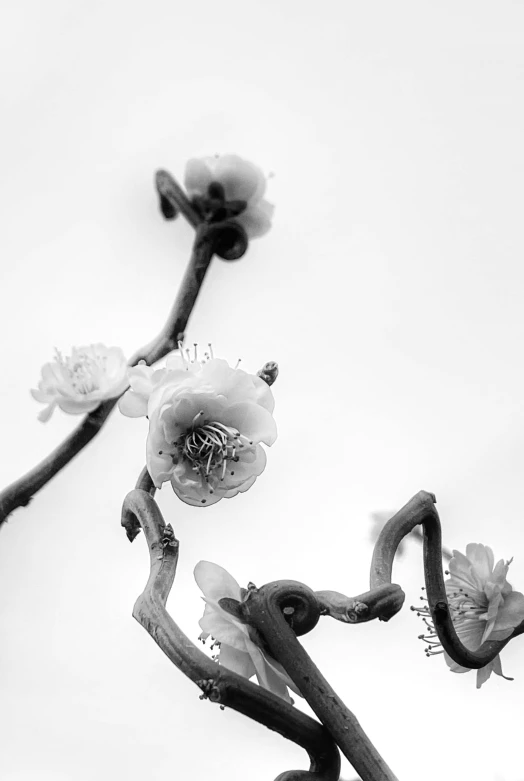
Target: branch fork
{"x": 225, "y": 238}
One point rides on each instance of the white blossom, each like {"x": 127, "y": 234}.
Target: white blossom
{"x": 206, "y": 423}
{"x": 239, "y": 647}
{"x": 241, "y": 180}
{"x": 482, "y": 604}
{"x": 80, "y": 382}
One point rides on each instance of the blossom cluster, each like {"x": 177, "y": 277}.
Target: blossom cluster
{"x": 207, "y": 422}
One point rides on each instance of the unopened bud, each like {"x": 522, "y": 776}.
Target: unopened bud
{"x": 268, "y": 372}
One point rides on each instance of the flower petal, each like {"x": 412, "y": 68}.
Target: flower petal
{"x": 238, "y": 661}
{"x": 215, "y": 582}
{"x": 197, "y": 176}
{"x": 511, "y": 614}
{"x": 266, "y": 675}
{"x": 133, "y": 405}
{"x": 41, "y": 396}
{"x": 470, "y": 632}
{"x": 218, "y": 625}
{"x": 462, "y": 573}
{"x": 240, "y": 489}
{"x": 264, "y": 394}
{"x": 251, "y": 464}
{"x": 241, "y": 179}
{"x": 78, "y": 407}
{"x": 483, "y": 674}
{"x": 46, "y": 413}
{"x": 281, "y": 673}
{"x": 253, "y": 421}
{"x": 482, "y": 559}
{"x": 256, "y": 219}
{"x": 195, "y": 494}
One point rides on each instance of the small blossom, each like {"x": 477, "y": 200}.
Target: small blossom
{"x": 482, "y": 604}
{"x": 80, "y": 382}
{"x": 239, "y": 194}
{"x": 206, "y": 423}
{"x": 239, "y": 646}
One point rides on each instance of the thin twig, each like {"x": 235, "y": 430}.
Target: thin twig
{"x": 382, "y": 602}
{"x": 169, "y": 189}
{"x": 265, "y": 609}
{"x": 417, "y": 533}
{"x": 421, "y": 510}
{"x": 208, "y": 238}
{"x": 216, "y": 682}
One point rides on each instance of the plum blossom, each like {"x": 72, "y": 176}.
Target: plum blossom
{"x": 239, "y": 646}
{"x": 239, "y": 194}
{"x": 206, "y": 423}
{"x": 80, "y": 382}
{"x": 482, "y": 603}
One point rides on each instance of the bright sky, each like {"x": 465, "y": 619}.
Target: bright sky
{"x": 390, "y": 292}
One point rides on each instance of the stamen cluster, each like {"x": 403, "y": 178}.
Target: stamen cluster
{"x": 211, "y": 446}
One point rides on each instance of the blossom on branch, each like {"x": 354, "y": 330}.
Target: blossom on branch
{"x": 483, "y": 606}
{"x": 206, "y": 423}
{"x": 80, "y": 382}
{"x": 225, "y": 187}
{"x": 240, "y": 648}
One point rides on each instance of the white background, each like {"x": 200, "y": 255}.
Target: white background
{"x": 389, "y": 290}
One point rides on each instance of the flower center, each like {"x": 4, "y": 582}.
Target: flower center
{"x": 211, "y": 447}
{"x": 84, "y": 371}
{"x": 81, "y": 372}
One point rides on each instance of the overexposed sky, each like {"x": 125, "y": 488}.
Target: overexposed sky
{"x": 389, "y": 290}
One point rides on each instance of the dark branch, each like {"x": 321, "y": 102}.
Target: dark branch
{"x": 281, "y": 610}
{"x": 382, "y": 602}
{"x": 170, "y": 191}
{"x": 216, "y": 682}
{"x": 227, "y": 239}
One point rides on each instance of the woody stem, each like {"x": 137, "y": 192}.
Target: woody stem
{"x": 20, "y": 492}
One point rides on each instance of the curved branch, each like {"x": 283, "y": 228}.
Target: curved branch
{"x": 265, "y": 609}
{"x": 382, "y": 602}
{"x": 217, "y": 683}
{"x": 208, "y": 239}
{"x": 421, "y": 510}
{"x": 169, "y": 189}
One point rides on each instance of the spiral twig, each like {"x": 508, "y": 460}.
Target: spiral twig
{"x": 216, "y": 682}
{"x": 281, "y": 610}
